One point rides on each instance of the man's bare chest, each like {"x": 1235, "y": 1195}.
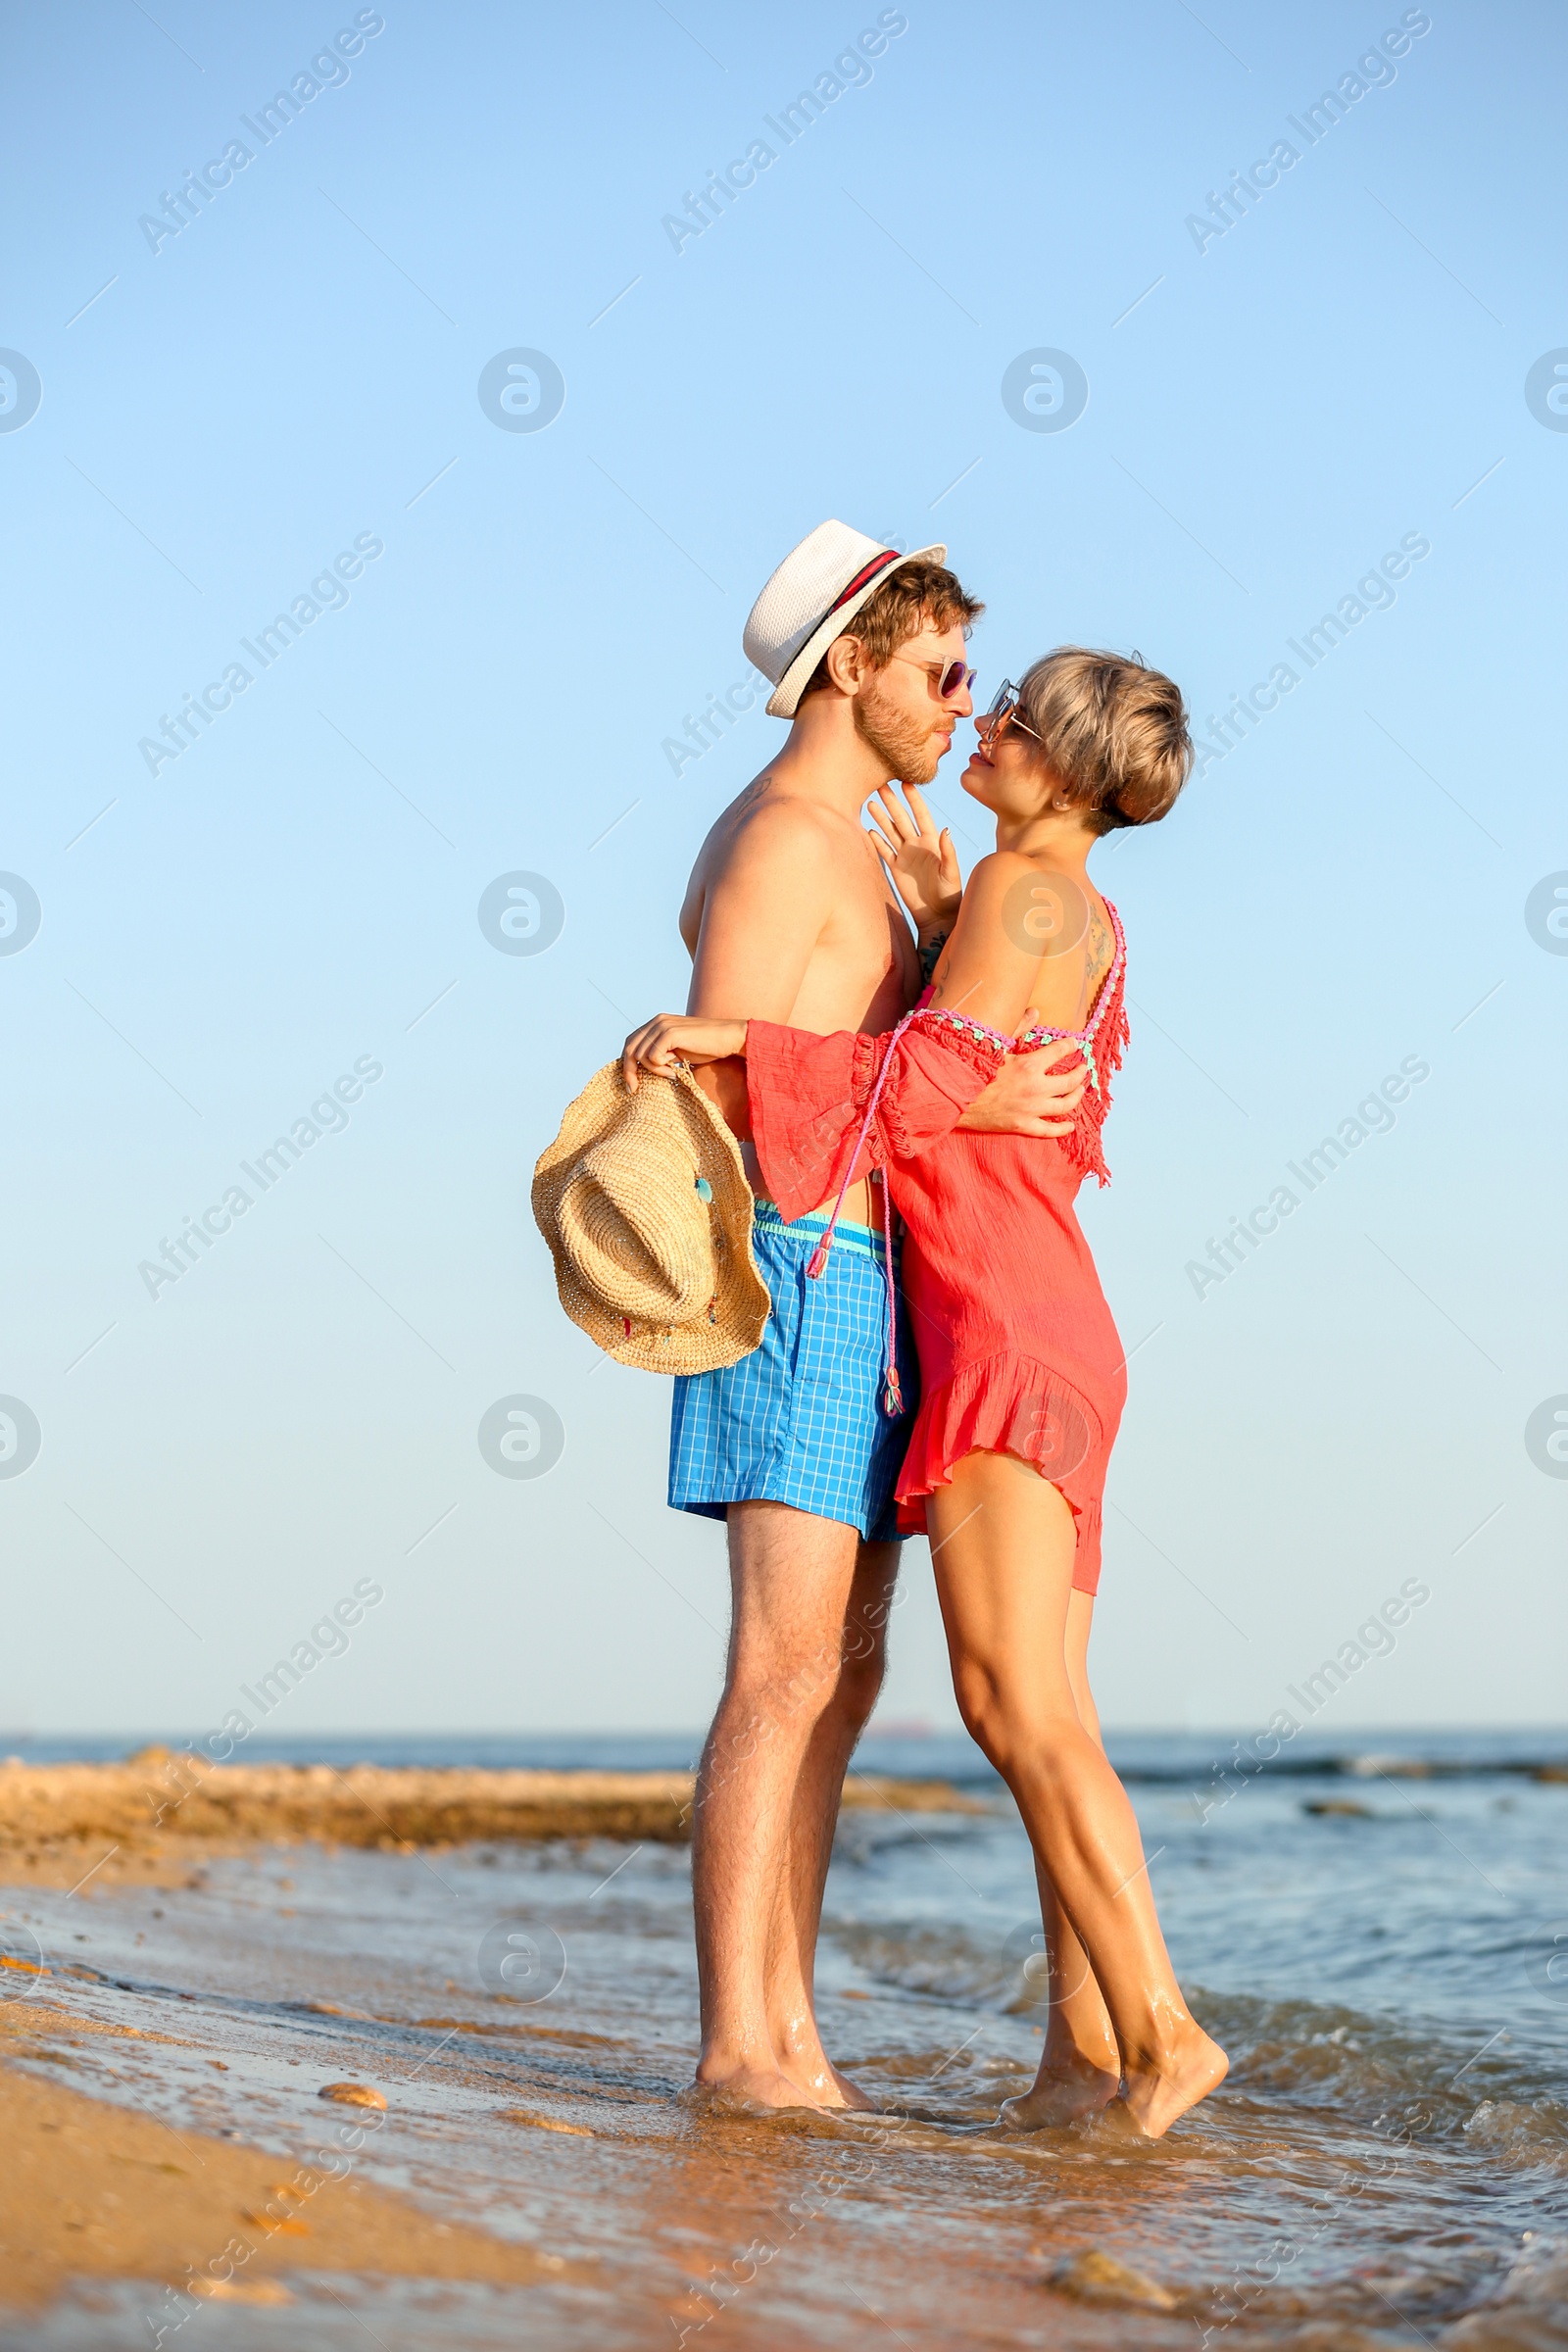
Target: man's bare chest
{"x": 864, "y": 926}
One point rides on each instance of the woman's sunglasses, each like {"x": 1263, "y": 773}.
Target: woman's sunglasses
{"x": 1003, "y": 712}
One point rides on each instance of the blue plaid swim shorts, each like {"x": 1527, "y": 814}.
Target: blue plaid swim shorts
{"x": 800, "y": 1420}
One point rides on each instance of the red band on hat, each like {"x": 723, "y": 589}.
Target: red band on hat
{"x": 869, "y": 573}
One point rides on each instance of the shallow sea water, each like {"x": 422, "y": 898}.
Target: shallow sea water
{"x": 1387, "y": 2163}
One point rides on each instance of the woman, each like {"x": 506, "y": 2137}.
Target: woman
{"x": 1022, "y": 1379}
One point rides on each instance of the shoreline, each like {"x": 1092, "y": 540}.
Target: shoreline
{"x": 160, "y": 1812}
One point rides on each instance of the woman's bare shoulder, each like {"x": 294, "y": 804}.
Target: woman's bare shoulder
{"x": 987, "y": 965}
{"x": 1000, "y": 872}
{"x": 1040, "y": 906}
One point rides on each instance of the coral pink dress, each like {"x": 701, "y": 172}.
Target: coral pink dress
{"x": 1018, "y": 1352}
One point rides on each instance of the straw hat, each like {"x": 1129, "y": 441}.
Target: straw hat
{"x": 644, "y": 1201}
{"x": 812, "y": 599}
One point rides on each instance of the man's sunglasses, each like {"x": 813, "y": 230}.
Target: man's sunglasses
{"x": 954, "y": 680}
{"x": 1003, "y": 712}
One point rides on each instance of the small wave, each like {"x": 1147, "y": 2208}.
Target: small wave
{"x": 1334, "y": 1765}
{"x": 1526, "y": 2310}
{"x": 1317, "y": 2049}
{"x": 938, "y": 1964}
{"x": 1403, "y": 2081}
{"x": 1529, "y": 2130}
{"x": 1266, "y": 2298}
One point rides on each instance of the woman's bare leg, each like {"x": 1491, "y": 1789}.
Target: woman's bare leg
{"x": 1003, "y": 1545}
{"x": 1080, "y": 2066}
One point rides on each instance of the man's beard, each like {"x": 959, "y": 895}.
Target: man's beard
{"x": 907, "y": 750}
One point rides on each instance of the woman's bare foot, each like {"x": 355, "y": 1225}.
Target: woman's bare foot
{"x": 1159, "y": 2093}
{"x": 1067, "y": 2088}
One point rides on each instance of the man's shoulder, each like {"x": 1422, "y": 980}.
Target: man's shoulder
{"x": 764, "y": 822}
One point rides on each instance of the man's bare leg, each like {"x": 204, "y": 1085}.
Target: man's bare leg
{"x": 791, "y": 1580}
{"x": 854, "y": 1678}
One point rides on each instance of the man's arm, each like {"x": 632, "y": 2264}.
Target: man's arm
{"x": 1028, "y": 1097}
{"x": 762, "y": 914}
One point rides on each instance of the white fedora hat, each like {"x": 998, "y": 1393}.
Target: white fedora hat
{"x": 812, "y": 599}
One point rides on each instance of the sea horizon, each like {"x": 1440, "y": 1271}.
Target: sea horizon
{"x": 904, "y": 1749}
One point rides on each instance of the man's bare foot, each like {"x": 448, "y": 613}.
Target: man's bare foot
{"x": 839, "y": 2091}
{"x": 1066, "y": 2088}
{"x": 852, "y": 2093}
{"x": 755, "y": 2086}
{"x": 1193, "y": 2066}
{"x": 821, "y": 2084}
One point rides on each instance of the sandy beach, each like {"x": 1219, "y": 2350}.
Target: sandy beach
{"x": 96, "y": 2192}
{"x": 278, "y": 2087}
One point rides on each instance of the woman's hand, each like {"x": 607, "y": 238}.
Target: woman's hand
{"x": 672, "y": 1037}
{"x": 922, "y": 863}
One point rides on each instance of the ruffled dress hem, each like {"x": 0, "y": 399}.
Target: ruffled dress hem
{"x": 1017, "y": 1405}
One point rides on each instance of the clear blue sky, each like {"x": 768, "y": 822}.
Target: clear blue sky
{"x": 295, "y": 375}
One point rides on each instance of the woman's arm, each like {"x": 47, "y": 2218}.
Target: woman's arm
{"x": 1029, "y": 1095}
{"x": 671, "y": 1036}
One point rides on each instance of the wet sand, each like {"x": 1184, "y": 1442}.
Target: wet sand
{"x": 94, "y": 2192}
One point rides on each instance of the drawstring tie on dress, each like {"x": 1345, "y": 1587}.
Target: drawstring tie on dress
{"x": 892, "y": 1387}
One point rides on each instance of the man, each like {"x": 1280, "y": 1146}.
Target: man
{"x": 789, "y": 916}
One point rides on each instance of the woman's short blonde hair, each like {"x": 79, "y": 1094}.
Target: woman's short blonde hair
{"x": 1113, "y": 730}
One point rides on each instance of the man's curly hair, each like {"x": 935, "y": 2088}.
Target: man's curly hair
{"x": 907, "y": 598}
